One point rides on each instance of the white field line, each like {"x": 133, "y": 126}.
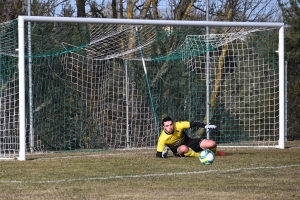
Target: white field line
{"x": 100, "y": 155}
{"x": 151, "y": 175}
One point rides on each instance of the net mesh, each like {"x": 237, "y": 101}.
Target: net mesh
{"x": 96, "y": 86}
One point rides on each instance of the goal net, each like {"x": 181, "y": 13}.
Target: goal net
{"x": 93, "y": 86}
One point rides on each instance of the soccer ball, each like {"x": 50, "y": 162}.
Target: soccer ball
{"x": 207, "y": 157}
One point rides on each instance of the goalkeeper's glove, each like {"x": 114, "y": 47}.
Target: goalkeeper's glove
{"x": 211, "y": 126}
{"x": 165, "y": 152}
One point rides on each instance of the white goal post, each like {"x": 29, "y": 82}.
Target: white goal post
{"x": 22, "y": 52}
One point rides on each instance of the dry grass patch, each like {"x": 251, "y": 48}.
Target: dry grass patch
{"x": 244, "y": 173}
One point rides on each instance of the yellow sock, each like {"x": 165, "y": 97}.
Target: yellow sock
{"x": 192, "y": 153}
{"x": 214, "y": 149}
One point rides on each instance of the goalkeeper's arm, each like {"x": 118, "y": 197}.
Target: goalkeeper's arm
{"x": 197, "y": 124}
{"x": 202, "y": 125}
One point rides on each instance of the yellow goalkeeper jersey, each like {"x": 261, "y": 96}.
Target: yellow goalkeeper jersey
{"x": 174, "y": 139}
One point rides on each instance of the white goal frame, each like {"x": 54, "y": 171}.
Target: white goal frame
{"x": 21, "y": 51}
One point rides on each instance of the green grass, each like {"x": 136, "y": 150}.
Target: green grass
{"x": 244, "y": 173}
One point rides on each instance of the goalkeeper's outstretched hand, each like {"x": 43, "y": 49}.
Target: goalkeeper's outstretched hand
{"x": 211, "y": 126}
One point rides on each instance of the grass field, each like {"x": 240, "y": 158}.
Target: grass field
{"x": 244, "y": 173}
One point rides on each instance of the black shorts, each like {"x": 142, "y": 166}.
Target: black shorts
{"x": 191, "y": 143}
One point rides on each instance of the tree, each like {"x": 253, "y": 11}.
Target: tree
{"x": 114, "y": 8}
{"x": 241, "y": 10}
{"x": 45, "y": 7}
{"x": 81, "y": 8}
{"x": 182, "y": 9}
{"x": 291, "y": 16}
{"x": 67, "y": 9}
{"x": 10, "y": 9}
{"x": 97, "y": 10}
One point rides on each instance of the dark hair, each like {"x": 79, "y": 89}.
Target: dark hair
{"x": 166, "y": 119}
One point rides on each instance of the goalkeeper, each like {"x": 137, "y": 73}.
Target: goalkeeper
{"x": 173, "y": 136}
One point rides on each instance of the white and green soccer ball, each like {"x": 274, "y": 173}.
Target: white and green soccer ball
{"x": 207, "y": 157}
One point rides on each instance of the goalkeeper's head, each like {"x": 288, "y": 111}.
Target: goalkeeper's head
{"x": 166, "y": 119}
{"x": 167, "y": 124}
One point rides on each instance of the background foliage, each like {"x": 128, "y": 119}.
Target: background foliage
{"x": 219, "y": 10}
